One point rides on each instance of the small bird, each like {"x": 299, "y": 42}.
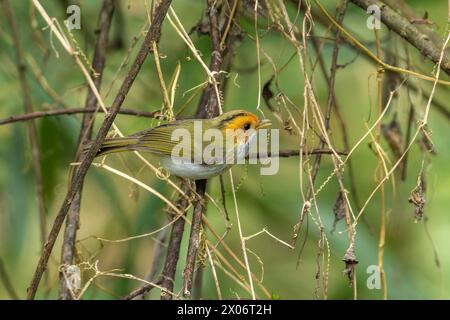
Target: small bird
{"x": 180, "y": 158}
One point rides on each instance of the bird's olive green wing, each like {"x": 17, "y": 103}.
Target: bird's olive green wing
{"x": 173, "y": 138}
{"x": 155, "y": 140}
{"x": 176, "y": 138}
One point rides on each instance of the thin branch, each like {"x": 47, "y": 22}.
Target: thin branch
{"x": 209, "y": 104}
{"x": 214, "y": 273}
{"x": 98, "y": 63}
{"x": 194, "y": 239}
{"x": 173, "y": 249}
{"x": 142, "y": 290}
{"x": 224, "y": 201}
{"x": 62, "y": 112}
{"x": 407, "y": 137}
{"x": 441, "y": 107}
{"x": 153, "y": 34}
{"x": 295, "y": 153}
{"x": 158, "y": 254}
{"x": 242, "y": 241}
{"x": 264, "y": 230}
{"x": 385, "y": 85}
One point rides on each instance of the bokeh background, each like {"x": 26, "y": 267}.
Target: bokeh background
{"x": 114, "y": 208}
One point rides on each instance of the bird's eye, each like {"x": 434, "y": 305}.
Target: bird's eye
{"x": 247, "y": 126}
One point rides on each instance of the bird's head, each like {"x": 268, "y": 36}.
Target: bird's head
{"x": 241, "y": 119}
{"x": 242, "y": 123}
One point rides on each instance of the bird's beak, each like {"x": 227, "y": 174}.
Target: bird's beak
{"x": 264, "y": 123}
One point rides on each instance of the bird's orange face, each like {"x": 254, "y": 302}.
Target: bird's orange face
{"x": 245, "y": 121}
{"x": 244, "y": 124}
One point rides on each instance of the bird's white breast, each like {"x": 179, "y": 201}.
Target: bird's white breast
{"x": 187, "y": 169}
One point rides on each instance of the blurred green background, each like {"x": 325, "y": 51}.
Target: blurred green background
{"x": 114, "y": 208}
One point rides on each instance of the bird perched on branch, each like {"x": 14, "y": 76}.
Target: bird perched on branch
{"x": 194, "y": 148}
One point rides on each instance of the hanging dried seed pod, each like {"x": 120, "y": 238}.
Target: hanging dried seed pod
{"x": 417, "y": 197}
{"x": 350, "y": 264}
{"x": 426, "y": 144}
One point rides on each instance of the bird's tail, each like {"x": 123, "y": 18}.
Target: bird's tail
{"x": 113, "y": 145}
{"x": 110, "y": 145}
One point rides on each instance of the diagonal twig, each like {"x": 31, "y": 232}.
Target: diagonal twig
{"x": 173, "y": 249}
{"x": 141, "y": 290}
{"x": 70, "y": 111}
